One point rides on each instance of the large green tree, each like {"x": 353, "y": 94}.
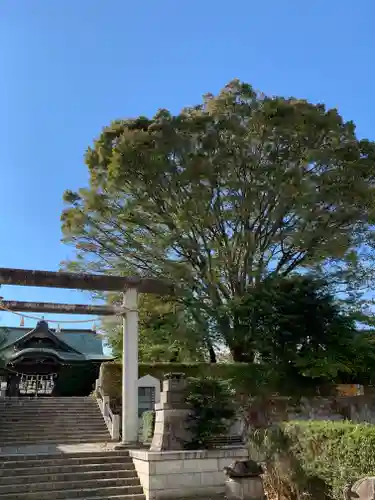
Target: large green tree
{"x": 296, "y": 325}
{"x": 166, "y": 332}
{"x": 225, "y": 194}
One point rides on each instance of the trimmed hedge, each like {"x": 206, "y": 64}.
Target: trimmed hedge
{"x": 320, "y": 457}
{"x": 77, "y": 380}
{"x": 246, "y": 378}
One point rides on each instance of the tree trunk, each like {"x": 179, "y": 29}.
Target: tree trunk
{"x": 212, "y": 354}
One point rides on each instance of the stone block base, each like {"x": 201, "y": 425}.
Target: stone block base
{"x": 184, "y": 474}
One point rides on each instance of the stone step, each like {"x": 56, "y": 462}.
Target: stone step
{"x": 36, "y": 403}
{"x": 32, "y": 404}
{"x": 50, "y": 404}
{"x": 57, "y": 429}
{"x": 48, "y": 435}
{"x": 43, "y": 399}
{"x": 60, "y": 432}
{"x": 20, "y": 406}
{"x": 138, "y": 496}
{"x": 115, "y": 497}
{"x": 103, "y": 437}
{"x": 29, "y": 417}
{"x": 4, "y": 412}
{"x": 42, "y": 430}
{"x": 49, "y": 432}
{"x": 15, "y": 461}
{"x": 39, "y": 437}
{"x": 61, "y": 456}
{"x": 103, "y": 467}
{"x": 69, "y": 493}
{"x": 56, "y": 440}
{"x": 69, "y": 477}
{"x": 46, "y": 418}
{"x": 43, "y": 409}
{"x": 57, "y": 435}
{"x": 51, "y": 485}
{"x": 61, "y": 404}
{"x": 77, "y": 424}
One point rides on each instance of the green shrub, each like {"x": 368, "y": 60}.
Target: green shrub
{"x": 148, "y": 426}
{"x": 212, "y": 410}
{"x": 317, "y": 458}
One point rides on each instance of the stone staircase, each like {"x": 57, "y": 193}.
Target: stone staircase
{"x": 59, "y": 448}
{"x": 98, "y": 475}
{"x": 51, "y": 420}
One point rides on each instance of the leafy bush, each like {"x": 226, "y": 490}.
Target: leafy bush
{"x": 148, "y": 426}
{"x": 316, "y": 458}
{"x": 212, "y": 409}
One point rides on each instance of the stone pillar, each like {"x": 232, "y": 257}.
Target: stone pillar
{"x": 130, "y": 369}
{"x": 171, "y": 414}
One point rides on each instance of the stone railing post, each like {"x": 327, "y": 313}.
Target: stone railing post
{"x": 105, "y": 406}
{"x": 115, "y": 427}
{"x": 97, "y": 385}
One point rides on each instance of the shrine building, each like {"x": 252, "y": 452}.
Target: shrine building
{"x": 49, "y": 362}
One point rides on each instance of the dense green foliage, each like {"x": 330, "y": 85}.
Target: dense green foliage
{"x": 295, "y": 325}
{"x": 166, "y": 331}
{"x": 246, "y": 378}
{"x": 224, "y": 195}
{"x": 292, "y": 325}
{"x": 316, "y": 457}
{"x": 212, "y": 409}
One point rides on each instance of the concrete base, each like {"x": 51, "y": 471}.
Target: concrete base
{"x": 184, "y": 474}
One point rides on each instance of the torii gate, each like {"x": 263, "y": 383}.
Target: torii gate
{"x": 130, "y": 286}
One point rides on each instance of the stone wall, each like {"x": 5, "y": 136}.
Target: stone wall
{"x": 260, "y": 412}
{"x": 184, "y": 474}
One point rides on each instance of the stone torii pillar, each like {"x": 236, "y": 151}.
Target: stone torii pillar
{"x": 130, "y": 369}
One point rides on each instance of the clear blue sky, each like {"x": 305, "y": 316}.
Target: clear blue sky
{"x": 68, "y": 67}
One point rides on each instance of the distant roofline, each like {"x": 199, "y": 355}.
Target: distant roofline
{"x": 29, "y": 329}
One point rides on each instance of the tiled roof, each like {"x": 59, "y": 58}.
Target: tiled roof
{"x": 86, "y": 342}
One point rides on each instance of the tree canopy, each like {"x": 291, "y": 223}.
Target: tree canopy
{"x": 166, "y": 332}
{"x": 296, "y": 325}
{"x": 224, "y": 195}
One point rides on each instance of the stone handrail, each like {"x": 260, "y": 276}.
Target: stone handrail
{"x": 111, "y": 419}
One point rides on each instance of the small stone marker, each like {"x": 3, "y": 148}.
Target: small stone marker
{"x": 363, "y": 489}
{"x": 244, "y": 481}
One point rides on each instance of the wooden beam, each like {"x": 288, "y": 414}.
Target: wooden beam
{"x": 78, "y": 281}
{"x": 49, "y": 307}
